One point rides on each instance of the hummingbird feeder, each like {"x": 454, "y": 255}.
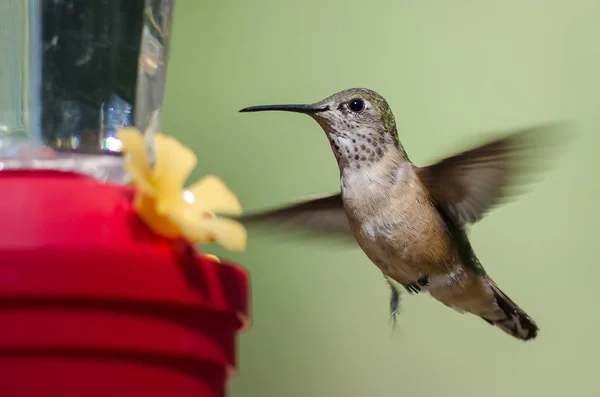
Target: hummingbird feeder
{"x": 102, "y": 292}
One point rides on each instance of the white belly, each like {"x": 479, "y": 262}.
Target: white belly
{"x": 379, "y": 243}
{"x": 390, "y": 223}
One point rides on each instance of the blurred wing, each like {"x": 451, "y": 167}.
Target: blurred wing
{"x": 468, "y": 185}
{"x": 323, "y": 216}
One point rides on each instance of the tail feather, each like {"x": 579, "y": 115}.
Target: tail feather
{"x": 516, "y": 322}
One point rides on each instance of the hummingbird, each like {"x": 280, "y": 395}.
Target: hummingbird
{"x": 412, "y": 221}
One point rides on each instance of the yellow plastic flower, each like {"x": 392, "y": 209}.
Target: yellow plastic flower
{"x": 169, "y": 209}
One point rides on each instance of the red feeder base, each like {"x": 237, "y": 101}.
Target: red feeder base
{"x": 94, "y": 304}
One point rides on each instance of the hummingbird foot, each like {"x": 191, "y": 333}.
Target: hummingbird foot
{"x": 415, "y": 287}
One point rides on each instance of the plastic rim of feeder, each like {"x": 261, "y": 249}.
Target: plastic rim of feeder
{"x": 95, "y": 304}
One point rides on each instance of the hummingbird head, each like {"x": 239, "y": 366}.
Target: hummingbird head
{"x": 358, "y": 122}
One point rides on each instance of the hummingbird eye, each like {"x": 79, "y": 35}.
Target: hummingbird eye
{"x": 356, "y": 105}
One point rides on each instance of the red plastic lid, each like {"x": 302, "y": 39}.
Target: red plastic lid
{"x": 82, "y": 278}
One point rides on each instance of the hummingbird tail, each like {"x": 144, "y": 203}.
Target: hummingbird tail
{"x": 514, "y": 321}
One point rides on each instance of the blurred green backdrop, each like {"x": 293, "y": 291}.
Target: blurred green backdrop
{"x": 452, "y": 71}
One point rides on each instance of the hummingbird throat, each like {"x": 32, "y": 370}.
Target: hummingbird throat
{"x": 361, "y": 149}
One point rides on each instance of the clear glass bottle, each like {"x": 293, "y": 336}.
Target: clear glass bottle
{"x": 74, "y": 71}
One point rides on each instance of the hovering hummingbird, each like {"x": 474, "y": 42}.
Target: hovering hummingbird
{"x": 411, "y": 221}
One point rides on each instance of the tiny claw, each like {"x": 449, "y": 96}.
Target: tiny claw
{"x": 413, "y": 288}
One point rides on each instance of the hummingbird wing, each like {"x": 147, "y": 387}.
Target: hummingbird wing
{"x": 469, "y": 184}
{"x": 322, "y": 216}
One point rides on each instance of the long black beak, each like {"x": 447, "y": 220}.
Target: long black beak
{"x": 286, "y": 108}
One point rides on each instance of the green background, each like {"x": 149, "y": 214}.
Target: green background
{"x": 452, "y": 72}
